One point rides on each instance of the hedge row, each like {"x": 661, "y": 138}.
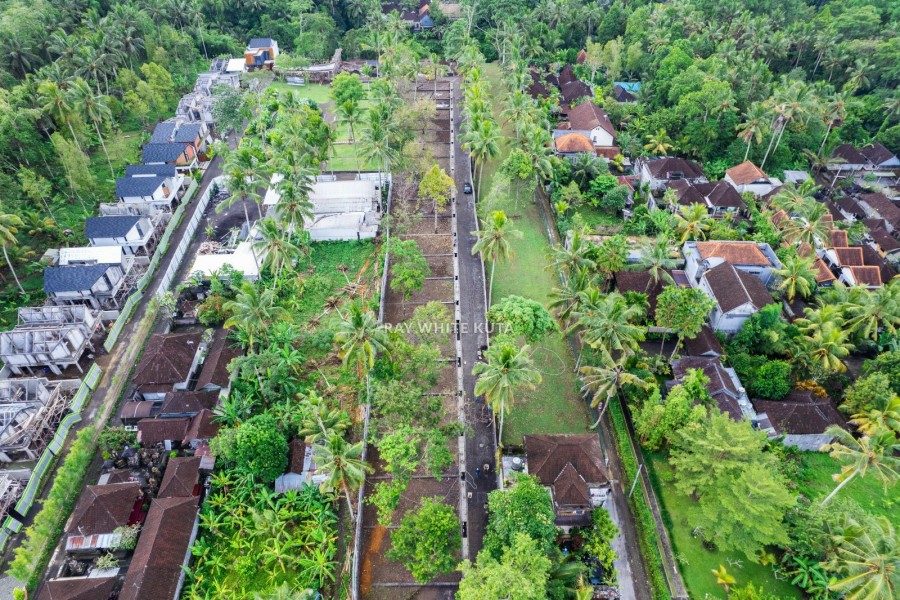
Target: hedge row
{"x": 643, "y": 519}
{"x": 33, "y": 554}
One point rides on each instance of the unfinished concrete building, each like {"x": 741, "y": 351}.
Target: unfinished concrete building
{"x": 30, "y": 411}
{"x": 10, "y": 492}
{"x": 51, "y": 337}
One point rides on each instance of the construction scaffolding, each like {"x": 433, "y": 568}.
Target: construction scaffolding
{"x": 30, "y": 412}
{"x": 52, "y": 337}
{"x": 10, "y": 492}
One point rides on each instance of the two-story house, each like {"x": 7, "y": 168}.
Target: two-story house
{"x": 755, "y": 258}
{"x": 657, "y": 172}
{"x": 261, "y": 53}
{"x": 155, "y": 190}
{"x": 174, "y": 181}
{"x": 100, "y": 286}
{"x": 179, "y": 131}
{"x": 181, "y": 154}
{"x": 593, "y": 122}
{"x": 747, "y": 177}
{"x": 719, "y": 198}
{"x": 133, "y": 233}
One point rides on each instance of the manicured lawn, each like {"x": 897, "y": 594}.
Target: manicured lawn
{"x": 815, "y": 482}
{"x": 314, "y": 91}
{"x": 555, "y": 406}
{"x": 695, "y": 561}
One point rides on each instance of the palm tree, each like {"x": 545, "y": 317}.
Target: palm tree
{"x": 349, "y": 112}
{"x": 253, "y": 310}
{"x": 95, "y": 108}
{"x": 658, "y": 143}
{"x": 507, "y": 369}
{"x": 574, "y": 255}
{"x": 585, "y": 168}
{"x": 828, "y": 346}
{"x": 870, "y": 561}
{"x": 376, "y": 146}
{"x": 798, "y": 276}
{"x": 294, "y": 207}
{"x": 568, "y": 298}
{"x": 692, "y": 222}
{"x": 361, "y": 339}
{"x": 606, "y": 380}
{"x": 611, "y": 327}
{"x": 657, "y": 258}
{"x": 875, "y": 453}
{"x": 724, "y": 578}
{"x": 9, "y": 225}
{"x": 754, "y": 127}
{"x": 278, "y": 252}
{"x": 483, "y": 144}
{"x": 245, "y": 163}
{"x": 886, "y": 418}
{"x": 813, "y": 225}
{"x": 344, "y": 469}
{"x": 792, "y": 198}
{"x": 55, "y": 103}
{"x": 494, "y": 243}
{"x": 19, "y": 57}
{"x": 871, "y": 312}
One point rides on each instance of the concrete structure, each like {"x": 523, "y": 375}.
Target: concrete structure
{"x": 758, "y": 259}
{"x": 48, "y": 337}
{"x": 260, "y": 53}
{"x": 657, "y": 172}
{"x": 168, "y": 364}
{"x": 181, "y": 154}
{"x": 135, "y": 234}
{"x": 100, "y": 286}
{"x": 157, "y": 185}
{"x": 747, "y": 177}
{"x": 342, "y": 210}
{"x": 738, "y": 296}
{"x": 182, "y": 131}
{"x": 30, "y": 411}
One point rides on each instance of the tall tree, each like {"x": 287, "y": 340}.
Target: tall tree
{"x": 361, "y": 339}
{"x": 868, "y": 561}
{"x": 797, "y": 277}
{"x": 437, "y": 187}
{"x": 95, "y": 109}
{"x": 278, "y": 251}
{"x": 9, "y": 225}
{"x": 253, "y": 310}
{"x": 692, "y": 222}
{"x": 876, "y": 453}
{"x": 344, "y": 469}
{"x": 494, "y": 243}
{"x": 483, "y": 143}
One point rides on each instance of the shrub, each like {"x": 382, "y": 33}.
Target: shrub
{"x": 772, "y": 381}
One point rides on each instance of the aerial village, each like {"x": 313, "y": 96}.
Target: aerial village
{"x": 421, "y": 302}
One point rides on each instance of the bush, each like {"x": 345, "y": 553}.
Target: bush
{"x": 114, "y": 439}
{"x": 520, "y": 316}
{"x": 260, "y": 448}
{"x": 773, "y": 380}
{"x": 427, "y": 540}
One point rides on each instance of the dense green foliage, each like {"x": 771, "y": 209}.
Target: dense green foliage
{"x": 522, "y": 508}
{"x": 428, "y": 540}
{"x": 520, "y": 574}
{"x": 517, "y": 316}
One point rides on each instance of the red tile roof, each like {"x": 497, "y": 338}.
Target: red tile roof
{"x": 78, "y": 588}
{"x": 167, "y": 360}
{"x": 548, "y": 455}
{"x": 587, "y": 116}
{"x": 181, "y": 477}
{"x": 738, "y": 253}
{"x": 869, "y": 276}
{"x": 800, "y": 413}
{"x": 745, "y": 173}
{"x": 734, "y": 288}
{"x": 849, "y": 256}
{"x": 103, "y": 508}
{"x": 573, "y": 142}
{"x": 153, "y": 431}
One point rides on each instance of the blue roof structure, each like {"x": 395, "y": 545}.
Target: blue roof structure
{"x": 145, "y": 170}
{"x": 138, "y": 186}
{"x": 629, "y": 86}
{"x": 72, "y": 279}
{"x": 162, "y": 153}
{"x": 109, "y": 227}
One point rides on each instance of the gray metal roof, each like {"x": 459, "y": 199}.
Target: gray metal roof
{"x": 187, "y": 133}
{"x": 138, "y": 186}
{"x": 162, "y": 134}
{"x": 162, "y": 153}
{"x": 72, "y": 279}
{"x": 164, "y": 170}
{"x": 260, "y": 43}
{"x": 109, "y": 227}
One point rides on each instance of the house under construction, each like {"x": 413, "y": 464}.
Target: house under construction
{"x": 30, "y": 411}
{"x": 10, "y": 492}
{"x": 52, "y": 337}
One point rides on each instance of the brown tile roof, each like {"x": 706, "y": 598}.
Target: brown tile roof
{"x": 587, "y": 116}
{"x": 876, "y": 153}
{"x": 574, "y": 90}
{"x": 745, "y": 173}
{"x": 849, "y": 155}
{"x": 823, "y": 273}
{"x": 181, "y": 477}
{"x": 834, "y": 211}
{"x": 167, "y": 360}
{"x": 102, "y": 508}
{"x": 188, "y": 403}
{"x": 839, "y": 238}
{"x": 738, "y": 253}
{"x": 162, "y": 549}
{"x": 886, "y": 209}
{"x": 549, "y": 454}
{"x": 661, "y": 168}
{"x": 640, "y": 282}
{"x": 139, "y": 409}
{"x": 849, "y": 205}
{"x": 582, "y": 56}
{"x": 537, "y": 89}
{"x": 296, "y": 455}
{"x": 884, "y": 240}
{"x": 78, "y": 588}
{"x": 720, "y": 386}
{"x": 118, "y": 476}
{"x": 686, "y": 193}
{"x": 866, "y": 275}
{"x": 722, "y": 195}
{"x": 215, "y": 371}
{"x": 706, "y": 343}
{"x": 202, "y": 427}
{"x": 779, "y": 216}
{"x": 849, "y": 256}
{"x": 873, "y": 259}
{"x": 800, "y": 413}
{"x": 570, "y": 488}
{"x": 153, "y": 431}
{"x": 567, "y": 75}
{"x": 734, "y": 288}
{"x": 622, "y": 95}
{"x": 573, "y": 142}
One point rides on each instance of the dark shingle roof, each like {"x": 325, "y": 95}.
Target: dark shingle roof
{"x": 187, "y": 403}
{"x": 733, "y": 287}
{"x": 261, "y": 43}
{"x": 170, "y": 131}
{"x": 138, "y": 186}
{"x": 549, "y": 454}
{"x": 642, "y": 283}
{"x": 721, "y": 387}
{"x": 153, "y": 431}
{"x": 884, "y": 240}
{"x": 722, "y": 195}
{"x": 706, "y": 343}
{"x": 109, "y": 227}
{"x": 164, "y": 170}
{"x": 162, "y": 134}
{"x": 164, "y": 153}
{"x": 587, "y": 115}
{"x": 877, "y": 153}
{"x": 849, "y": 155}
{"x": 886, "y": 209}
{"x": 103, "y": 508}
{"x": 661, "y": 168}
{"x": 873, "y": 259}
{"x": 215, "y": 372}
{"x": 167, "y": 360}
{"x": 623, "y": 95}
{"x": 78, "y": 588}
{"x": 155, "y": 569}
{"x": 574, "y": 90}
{"x": 800, "y": 413}
{"x": 181, "y": 477}
{"x": 686, "y": 193}
{"x": 570, "y": 488}
{"x": 202, "y": 427}
{"x": 72, "y": 279}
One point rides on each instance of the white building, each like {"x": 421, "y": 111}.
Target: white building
{"x": 135, "y": 234}
{"x": 758, "y": 259}
{"x": 747, "y": 177}
{"x": 657, "y": 172}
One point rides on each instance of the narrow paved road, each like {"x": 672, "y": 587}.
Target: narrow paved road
{"x": 480, "y": 450}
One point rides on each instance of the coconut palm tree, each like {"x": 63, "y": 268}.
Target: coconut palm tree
{"x": 494, "y": 243}
{"x": 507, "y": 369}
{"x": 692, "y": 222}
{"x": 606, "y": 380}
{"x": 586, "y": 167}
{"x": 95, "y": 109}
{"x": 344, "y": 469}
{"x": 871, "y": 312}
{"x": 9, "y": 227}
{"x": 56, "y": 104}
{"x": 571, "y": 256}
{"x": 376, "y": 146}
{"x": 871, "y": 453}
{"x": 659, "y": 143}
{"x": 294, "y": 207}
{"x": 277, "y": 250}
{"x": 812, "y": 227}
{"x": 886, "y": 418}
{"x": 798, "y": 276}
{"x": 868, "y": 561}
{"x": 253, "y": 310}
{"x": 828, "y": 346}
{"x": 361, "y": 339}
{"x": 657, "y": 258}
{"x": 754, "y": 127}
{"x": 567, "y": 299}
{"x": 611, "y": 326}
{"x": 349, "y": 112}
{"x": 792, "y": 198}
{"x": 483, "y": 144}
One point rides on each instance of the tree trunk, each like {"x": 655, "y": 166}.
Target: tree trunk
{"x": 825, "y": 139}
{"x": 677, "y": 344}
{"x": 103, "y": 144}
{"x": 349, "y": 504}
{"x": 491, "y": 286}
{"x": 74, "y": 137}
{"x": 12, "y": 270}
{"x": 838, "y": 488}
{"x": 769, "y": 149}
{"x": 747, "y": 152}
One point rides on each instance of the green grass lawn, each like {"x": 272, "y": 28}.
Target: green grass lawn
{"x": 694, "y": 560}
{"x": 555, "y": 406}
{"x": 314, "y": 91}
